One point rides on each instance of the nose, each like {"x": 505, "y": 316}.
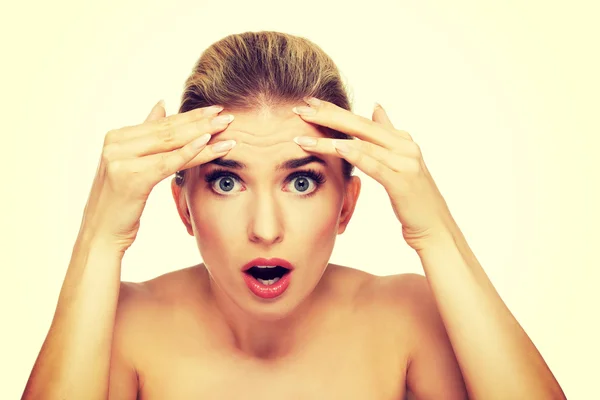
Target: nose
{"x": 266, "y": 223}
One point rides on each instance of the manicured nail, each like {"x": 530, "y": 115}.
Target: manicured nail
{"x": 341, "y": 146}
{"x": 223, "y": 146}
{"x": 201, "y": 141}
{"x": 304, "y": 110}
{"x": 313, "y": 101}
{"x": 305, "y": 141}
{"x": 222, "y": 119}
{"x": 213, "y": 110}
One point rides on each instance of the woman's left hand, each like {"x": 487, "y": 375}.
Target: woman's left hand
{"x": 392, "y": 158}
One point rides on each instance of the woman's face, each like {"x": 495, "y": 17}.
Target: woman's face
{"x": 237, "y": 215}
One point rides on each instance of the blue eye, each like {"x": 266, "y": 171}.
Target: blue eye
{"x": 226, "y": 184}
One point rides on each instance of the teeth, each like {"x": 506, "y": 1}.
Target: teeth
{"x": 269, "y": 282}
{"x": 265, "y": 266}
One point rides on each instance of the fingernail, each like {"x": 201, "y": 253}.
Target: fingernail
{"x": 222, "y": 119}
{"x": 341, "y": 146}
{"x": 223, "y": 146}
{"x": 213, "y": 110}
{"x": 313, "y": 101}
{"x": 161, "y": 103}
{"x": 201, "y": 141}
{"x": 304, "y": 110}
{"x": 305, "y": 141}
{"x": 377, "y": 105}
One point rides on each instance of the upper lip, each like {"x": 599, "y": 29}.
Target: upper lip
{"x": 268, "y": 262}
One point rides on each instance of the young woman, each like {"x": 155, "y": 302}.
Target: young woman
{"x": 266, "y": 315}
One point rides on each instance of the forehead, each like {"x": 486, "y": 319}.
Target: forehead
{"x": 267, "y": 129}
{"x": 264, "y": 140}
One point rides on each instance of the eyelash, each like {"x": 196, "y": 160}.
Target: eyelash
{"x": 316, "y": 176}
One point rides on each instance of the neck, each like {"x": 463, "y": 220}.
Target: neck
{"x": 268, "y": 335}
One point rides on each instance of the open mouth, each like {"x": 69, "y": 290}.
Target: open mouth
{"x": 267, "y": 276}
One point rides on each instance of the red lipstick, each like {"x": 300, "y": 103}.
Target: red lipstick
{"x": 261, "y": 289}
{"x": 271, "y": 262}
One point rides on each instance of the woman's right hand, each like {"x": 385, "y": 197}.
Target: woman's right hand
{"x": 136, "y": 158}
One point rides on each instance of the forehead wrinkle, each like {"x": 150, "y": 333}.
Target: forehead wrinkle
{"x": 245, "y": 138}
{"x": 266, "y": 140}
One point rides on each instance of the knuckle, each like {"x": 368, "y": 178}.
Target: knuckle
{"x": 380, "y": 169}
{"x": 162, "y": 165}
{"x": 109, "y": 152}
{"x": 115, "y": 168}
{"x": 414, "y": 150}
{"x": 167, "y": 134}
{"x": 164, "y": 123}
{"x": 111, "y": 136}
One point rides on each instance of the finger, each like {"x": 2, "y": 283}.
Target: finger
{"x": 381, "y": 117}
{"x": 159, "y": 166}
{"x": 169, "y": 139}
{"x": 392, "y": 161}
{"x": 161, "y": 123}
{"x": 207, "y": 155}
{"x": 157, "y": 112}
{"x": 366, "y": 163}
{"x": 334, "y": 117}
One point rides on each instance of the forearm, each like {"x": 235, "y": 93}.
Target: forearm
{"x": 74, "y": 360}
{"x": 496, "y": 357}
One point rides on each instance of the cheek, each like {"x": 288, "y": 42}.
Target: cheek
{"x": 212, "y": 226}
{"x": 317, "y": 225}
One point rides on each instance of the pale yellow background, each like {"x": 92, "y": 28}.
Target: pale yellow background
{"x": 501, "y": 96}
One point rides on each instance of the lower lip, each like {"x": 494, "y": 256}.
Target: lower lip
{"x": 267, "y": 291}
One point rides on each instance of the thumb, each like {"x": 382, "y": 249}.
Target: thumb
{"x": 380, "y": 116}
{"x": 158, "y": 112}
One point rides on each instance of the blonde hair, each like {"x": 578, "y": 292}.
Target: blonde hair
{"x": 253, "y": 70}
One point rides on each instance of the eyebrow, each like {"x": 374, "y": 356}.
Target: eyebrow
{"x": 286, "y": 165}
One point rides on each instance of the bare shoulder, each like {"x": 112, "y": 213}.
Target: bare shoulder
{"x": 141, "y": 304}
{"x": 406, "y": 288}
{"x": 407, "y": 296}
{"x": 164, "y": 288}
{"x": 396, "y": 290}
{"x": 402, "y": 302}
{"x": 396, "y": 299}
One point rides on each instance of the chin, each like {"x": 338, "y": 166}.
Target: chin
{"x": 271, "y": 310}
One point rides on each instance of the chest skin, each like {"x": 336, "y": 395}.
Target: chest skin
{"x": 357, "y": 354}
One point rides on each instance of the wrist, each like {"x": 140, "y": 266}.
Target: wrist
{"x": 431, "y": 239}
{"x": 93, "y": 242}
